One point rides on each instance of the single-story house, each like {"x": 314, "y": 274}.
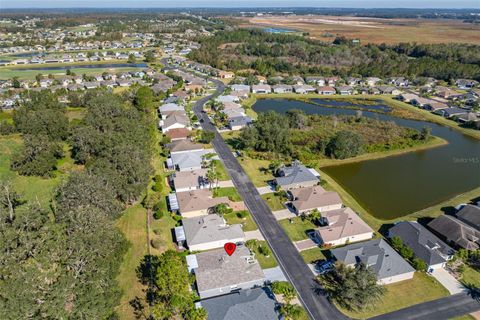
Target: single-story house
{"x": 226, "y": 74}
{"x": 231, "y": 106}
{"x": 242, "y": 94}
{"x": 261, "y": 88}
{"x": 183, "y": 146}
{"x": 326, "y": 90}
{"x": 282, "y": 88}
{"x": 175, "y": 121}
{"x": 170, "y": 107}
{"x": 389, "y": 90}
{"x": 319, "y": 81}
{"x": 237, "y": 123}
{"x": 189, "y": 180}
{"x": 210, "y": 232}
{"x": 342, "y": 226}
{"x": 258, "y": 303}
{"x": 178, "y": 134}
{"x": 187, "y": 161}
{"x": 304, "y": 200}
{"x": 344, "y": 90}
{"x": 196, "y": 203}
{"x": 425, "y": 245}
{"x": 470, "y": 214}
{"x": 240, "y": 87}
{"x": 217, "y": 273}
{"x": 296, "y": 176}
{"x": 371, "y": 81}
{"x": 456, "y": 232}
{"x": 466, "y": 83}
{"x": 451, "y": 112}
{"x": 303, "y": 89}
{"x": 227, "y": 98}
{"x": 388, "y": 265}
{"x": 434, "y": 106}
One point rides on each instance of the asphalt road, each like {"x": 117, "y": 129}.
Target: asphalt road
{"x": 440, "y": 309}
{"x": 292, "y": 264}
{"x": 289, "y": 259}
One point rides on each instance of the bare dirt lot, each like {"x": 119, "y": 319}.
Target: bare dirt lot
{"x": 374, "y": 30}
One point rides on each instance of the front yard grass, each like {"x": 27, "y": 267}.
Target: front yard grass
{"x": 312, "y": 255}
{"x": 297, "y": 229}
{"x": 274, "y": 201}
{"x": 247, "y": 223}
{"x": 229, "y": 192}
{"x": 470, "y": 276}
{"x": 264, "y": 261}
{"x": 399, "y": 295}
{"x": 257, "y": 170}
{"x": 221, "y": 171}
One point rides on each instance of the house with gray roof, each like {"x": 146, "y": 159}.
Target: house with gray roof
{"x": 296, "y": 176}
{"x": 470, "y": 214}
{"x": 253, "y": 304}
{"x": 187, "y": 161}
{"x": 456, "y": 232}
{"x": 217, "y": 273}
{"x": 425, "y": 245}
{"x": 210, "y": 232}
{"x": 238, "y": 122}
{"x": 376, "y": 254}
{"x": 282, "y": 88}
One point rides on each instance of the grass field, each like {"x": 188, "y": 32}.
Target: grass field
{"x": 256, "y": 170}
{"x": 274, "y": 201}
{"x": 471, "y": 276}
{"x": 312, "y": 255}
{"x": 247, "y": 223}
{"x": 31, "y": 188}
{"x": 229, "y": 192}
{"x": 420, "y": 289}
{"x": 374, "y": 30}
{"x": 297, "y": 230}
{"x": 220, "y": 169}
{"x": 264, "y": 261}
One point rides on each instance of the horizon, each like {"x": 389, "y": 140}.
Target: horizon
{"x": 216, "y": 4}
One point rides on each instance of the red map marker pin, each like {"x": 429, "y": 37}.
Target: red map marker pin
{"x": 230, "y": 248}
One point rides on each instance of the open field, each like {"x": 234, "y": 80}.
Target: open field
{"x": 374, "y": 30}
{"x": 399, "y": 295}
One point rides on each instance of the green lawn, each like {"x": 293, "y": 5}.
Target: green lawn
{"x": 247, "y": 222}
{"x": 464, "y": 317}
{"x": 257, "y": 170}
{"x": 312, "y": 255}
{"x": 6, "y": 115}
{"x": 471, "y": 276}
{"x": 31, "y": 188}
{"x": 229, "y": 192}
{"x": 274, "y": 201}
{"x": 297, "y": 230}
{"x": 399, "y": 295}
{"x": 222, "y": 172}
{"x": 265, "y": 262}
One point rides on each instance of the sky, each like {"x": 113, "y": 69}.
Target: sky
{"x": 238, "y": 3}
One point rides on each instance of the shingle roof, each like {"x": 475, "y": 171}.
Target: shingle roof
{"x": 313, "y": 197}
{"x": 456, "y": 231}
{"x": 212, "y": 227}
{"x": 192, "y": 159}
{"x": 189, "y": 179}
{"x": 424, "y": 244}
{"x": 377, "y": 254}
{"x": 296, "y": 173}
{"x": 198, "y": 200}
{"x": 341, "y": 224}
{"x": 183, "y": 145}
{"x": 216, "y": 269}
{"x": 253, "y": 304}
{"x": 470, "y": 214}
{"x": 178, "y": 133}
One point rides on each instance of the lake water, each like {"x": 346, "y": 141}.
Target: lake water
{"x": 278, "y": 30}
{"x": 88, "y": 66}
{"x": 396, "y": 186}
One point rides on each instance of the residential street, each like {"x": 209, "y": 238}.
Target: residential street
{"x": 289, "y": 259}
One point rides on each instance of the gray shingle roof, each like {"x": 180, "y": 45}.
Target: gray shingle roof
{"x": 254, "y": 304}
{"x": 456, "y": 231}
{"x": 212, "y": 227}
{"x": 377, "y": 254}
{"x": 470, "y": 214}
{"x": 424, "y": 244}
{"x": 294, "y": 174}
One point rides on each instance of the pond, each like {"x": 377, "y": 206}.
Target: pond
{"x": 88, "y": 66}
{"x": 395, "y": 186}
{"x": 278, "y": 30}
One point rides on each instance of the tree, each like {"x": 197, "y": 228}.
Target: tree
{"x": 425, "y": 133}
{"x": 221, "y": 209}
{"x": 345, "y": 144}
{"x": 144, "y": 100}
{"x": 352, "y": 288}
{"x": 16, "y": 83}
{"x": 419, "y": 264}
{"x": 212, "y": 175}
{"x": 406, "y": 252}
{"x": 149, "y": 56}
{"x": 314, "y": 216}
{"x": 38, "y": 156}
{"x": 284, "y": 288}
{"x": 9, "y": 201}
{"x": 397, "y": 243}
{"x": 207, "y": 137}
{"x": 131, "y": 58}
{"x": 296, "y": 118}
{"x": 291, "y": 311}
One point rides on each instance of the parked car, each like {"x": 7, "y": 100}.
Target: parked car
{"x": 324, "y": 266}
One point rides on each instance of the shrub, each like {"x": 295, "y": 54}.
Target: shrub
{"x": 158, "y": 214}
{"x": 157, "y": 231}
{"x": 242, "y": 214}
{"x": 265, "y": 250}
{"x": 158, "y": 185}
{"x": 419, "y": 264}
{"x": 156, "y": 243}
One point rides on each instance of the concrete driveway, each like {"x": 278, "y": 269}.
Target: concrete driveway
{"x": 448, "y": 281}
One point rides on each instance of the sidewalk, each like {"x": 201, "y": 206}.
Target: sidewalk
{"x": 255, "y": 234}
{"x": 305, "y": 244}
{"x": 283, "y": 214}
